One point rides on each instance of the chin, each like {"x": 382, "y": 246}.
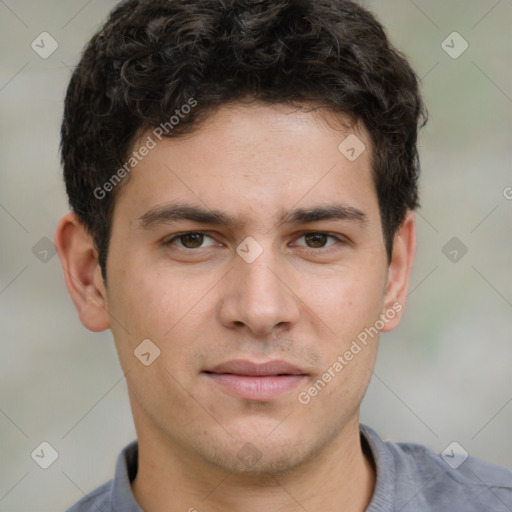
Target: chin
{"x": 259, "y": 451}
{"x": 252, "y": 461}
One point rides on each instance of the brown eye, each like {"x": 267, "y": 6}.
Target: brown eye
{"x": 192, "y": 240}
{"x": 316, "y": 240}
{"x": 318, "y": 243}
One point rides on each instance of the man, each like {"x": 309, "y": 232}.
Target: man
{"x": 242, "y": 177}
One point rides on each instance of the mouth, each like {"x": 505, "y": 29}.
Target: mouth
{"x": 256, "y": 381}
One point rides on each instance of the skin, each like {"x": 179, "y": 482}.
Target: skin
{"x": 204, "y": 306}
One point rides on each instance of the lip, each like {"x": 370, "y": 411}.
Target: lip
{"x": 256, "y": 381}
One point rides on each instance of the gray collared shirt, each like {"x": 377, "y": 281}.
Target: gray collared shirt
{"x": 410, "y": 478}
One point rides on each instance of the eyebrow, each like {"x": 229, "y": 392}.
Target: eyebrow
{"x": 168, "y": 213}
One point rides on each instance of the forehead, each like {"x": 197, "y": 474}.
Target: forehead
{"x": 254, "y": 161}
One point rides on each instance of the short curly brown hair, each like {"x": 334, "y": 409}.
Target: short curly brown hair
{"x": 152, "y": 56}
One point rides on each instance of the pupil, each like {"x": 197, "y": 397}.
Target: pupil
{"x": 193, "y": 239}
{"x": 318, "y": 239}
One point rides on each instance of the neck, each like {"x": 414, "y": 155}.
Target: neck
{"x": 341, "y": 477}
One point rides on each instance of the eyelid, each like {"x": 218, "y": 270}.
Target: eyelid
{"x": 340, "y": 239}
{"x": 337, "y": 237}
{"x": 176, "y": 236}
{"x": 340, "y": 242}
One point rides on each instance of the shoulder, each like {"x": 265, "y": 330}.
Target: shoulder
{"x": 454, "y": 464}
{"x": 99, "y": 499}
{"x": 115, "y": 494}
{"x": 440, "y": 480}
{"x": 425, "y": 480}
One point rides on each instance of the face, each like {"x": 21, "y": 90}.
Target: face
{"x": 251, "y": 254}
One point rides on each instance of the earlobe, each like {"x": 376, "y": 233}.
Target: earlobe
{"x": 399, "y": 271}
{"x": 79, "y": 261}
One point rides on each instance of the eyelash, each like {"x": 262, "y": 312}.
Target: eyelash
{"x": 305, "y": 248}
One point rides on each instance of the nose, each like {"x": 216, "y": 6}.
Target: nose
{"x": 259, "y": 296}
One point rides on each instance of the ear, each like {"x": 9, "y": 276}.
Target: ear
{"x": 82, "y": 273}
{"x": 399, "y": 271}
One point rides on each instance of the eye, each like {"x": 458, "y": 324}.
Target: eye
{"x": 195, "y": 239}
{"x": 190, "y": 240}
{"x": 318, "y": 240}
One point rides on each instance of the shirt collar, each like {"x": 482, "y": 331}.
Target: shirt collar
{"x": 122, "y": 498}
{"x": 383, "y": 499}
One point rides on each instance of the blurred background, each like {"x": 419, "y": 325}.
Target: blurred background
{"x": 444, "y": 375}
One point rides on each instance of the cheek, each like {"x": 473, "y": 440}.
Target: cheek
{"x": 350, "y": 308}
{"x": 167, "y": 309}
{"x": 146, "y": 297}
{"x": 347, "y": 302}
